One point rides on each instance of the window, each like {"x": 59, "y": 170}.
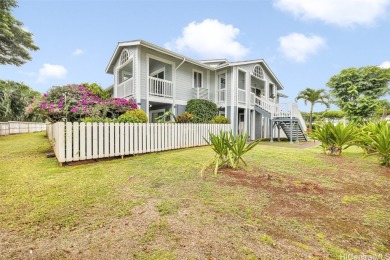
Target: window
{"x": 197, "y": 79}
{"x": 271, "y": 90}
{"x": 126, "y": 75}
{"x": 124, "y": 57}
{"x": 258, "y": 72}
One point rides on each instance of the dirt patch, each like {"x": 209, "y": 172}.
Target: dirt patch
{"x": 269, "y": 181}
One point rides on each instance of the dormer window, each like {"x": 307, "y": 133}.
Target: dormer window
{"x": 124, "y": 57}
{"x": 258, "y": 72}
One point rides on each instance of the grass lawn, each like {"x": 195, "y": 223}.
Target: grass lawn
{"x": 288, "y": 203}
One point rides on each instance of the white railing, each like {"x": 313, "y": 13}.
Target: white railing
{"x": 200, "y": 93}
{"x": 283, "y": 110}
{"x": 263, "y": 103}
{"x": 221, "y": 95}
{"x": 297, "y": 114}
{"x": 80, "y": 141}
{"x": 160, "y": 87}
{"x": 241, "y": 96}
{"x": 15, "y": 127}
{"x": 126, "y": 89}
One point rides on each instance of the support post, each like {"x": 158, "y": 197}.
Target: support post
{"x": 297, "y": 128}
{"x": 271, "y": 130}
{"x": 291, "y": 131}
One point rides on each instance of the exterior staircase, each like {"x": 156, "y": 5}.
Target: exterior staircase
{"x": 285, "y": 116}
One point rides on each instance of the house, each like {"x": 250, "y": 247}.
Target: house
{"x": 246, "y": 92}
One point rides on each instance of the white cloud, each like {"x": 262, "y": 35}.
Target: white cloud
{"x": 298, "y": 47}
{"x": 385, "y": 65}
{"x": 210, "y": 39}
{"x": 77, "y": 52}
{"x": 50, "y": 71}
{"x": 339, "y": 12}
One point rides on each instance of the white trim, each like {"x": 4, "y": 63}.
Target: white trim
{"x": 138, "y": 75}
{"x": 202, "y": 80}
{"x": 232, "y": 97}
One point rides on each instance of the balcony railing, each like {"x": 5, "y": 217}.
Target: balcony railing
{"x": 221, "y": 95}
{"x": 200, "y": 93}
{"x": 160, "y": 87}
{"x": 241, "y": 96}
{"x": 126, "y": 89}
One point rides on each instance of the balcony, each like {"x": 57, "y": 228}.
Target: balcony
{"x": 200, "y": 93}
{"x": 126, "y": 89}
{"x": 160, "y": 88}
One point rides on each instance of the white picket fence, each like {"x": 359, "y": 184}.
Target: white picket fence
{"x": 83, "y": 141}
{"x": 15, "y": 127}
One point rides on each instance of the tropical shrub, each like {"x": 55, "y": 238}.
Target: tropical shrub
{"x": 203, "y": 111}
{"x": 229, "y": 149}
{"x": 133, "y": 116}
{"x": 15, "y": 98}
{"x": 138, "y": 113}
{"x": 184, "y": 118}
{"x": 335, "y": 138}
{"x": 220, "y": 120}
{"x": 374, "y": 139}
{"x": 75, "y": 102}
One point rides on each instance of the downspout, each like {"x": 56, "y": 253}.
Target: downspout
{"x": 174, "y": 88}
{"x": 184, "y": 59}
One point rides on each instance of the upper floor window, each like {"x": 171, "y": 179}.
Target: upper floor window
{"x": 198, "y": 79}
{"x": 124, "y": 57}
{"x": 258, "y": 72}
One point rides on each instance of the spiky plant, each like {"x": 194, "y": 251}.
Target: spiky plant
{"x": 374, "y": 139}
{"x": 229, "y": 149}
{"x": 335, "y": 138}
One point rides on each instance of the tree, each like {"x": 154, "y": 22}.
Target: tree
{"x": 14, "y": 40}
{"x": 357, "y": 90}
{"x": 314, "y": 97}
{"x": 14, "y": 99}
{"x": 332, "y": 115}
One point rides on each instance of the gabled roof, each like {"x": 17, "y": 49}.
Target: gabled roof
{"x": 121, "y": 45}
{"x": 212, "y": 65}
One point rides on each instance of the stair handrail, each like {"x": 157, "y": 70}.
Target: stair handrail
{"x": 297, "y": 114}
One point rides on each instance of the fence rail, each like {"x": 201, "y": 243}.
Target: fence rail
{"x": 80, "y": 141}
{"x": 16, "y": 127}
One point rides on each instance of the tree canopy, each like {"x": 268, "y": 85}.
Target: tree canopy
{"x": 14, "y": 100}
{"x": 14, "y": 40}
{"x": 357, "y": 91}
{"x": 313, "y": 96}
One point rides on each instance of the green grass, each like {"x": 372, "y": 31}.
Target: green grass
{"x": 288, "y": 201}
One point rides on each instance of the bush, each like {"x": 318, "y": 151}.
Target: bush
{"x": 184, "y": 118}
{"x": 335, "y": 138}
{"x": 138, "y": 113}
{"x": 220, "y": 120}
{"x": 132, "y": 116}
{"x": 76, "y": 102}
{"x": 203, "y": 111}
{"x": 374, "y": 139}
{"x": 229, "y": 149}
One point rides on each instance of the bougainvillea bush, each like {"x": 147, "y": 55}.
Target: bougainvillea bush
{"x": 76, "y": 102}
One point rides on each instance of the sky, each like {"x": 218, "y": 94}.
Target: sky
{"x": 304, "y": 42}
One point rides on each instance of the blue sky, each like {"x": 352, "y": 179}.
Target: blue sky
{"x": 304, "y": 42}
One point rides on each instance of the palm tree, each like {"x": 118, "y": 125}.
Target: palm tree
{"x": 313, "y": 96}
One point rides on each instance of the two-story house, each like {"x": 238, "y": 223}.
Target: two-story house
{"x": 246, "y": 92}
